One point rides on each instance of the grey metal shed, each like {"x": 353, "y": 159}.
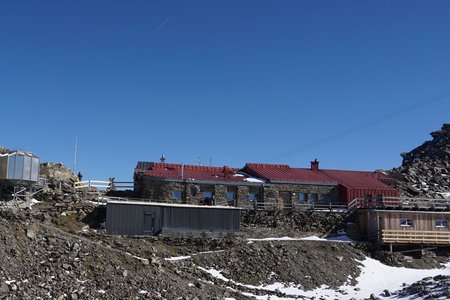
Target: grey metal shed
{"x": 18, "y": 167}
{"x": 146, "y": 218}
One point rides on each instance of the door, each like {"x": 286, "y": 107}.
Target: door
{"x": 286, "y": 198}
{"x": 149, "y": 223}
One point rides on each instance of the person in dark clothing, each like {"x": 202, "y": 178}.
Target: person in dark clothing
{"x": 80, "y": 176}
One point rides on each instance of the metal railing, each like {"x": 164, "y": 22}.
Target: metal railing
{"x": 404, "y": 203}
{"x": 389, "y": 236}
{"x": 108, "y": 185}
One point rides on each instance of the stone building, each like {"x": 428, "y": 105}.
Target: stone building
{"x": 255, "y": 185}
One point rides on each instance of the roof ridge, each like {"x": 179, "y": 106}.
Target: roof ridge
{"x": 268, "y": 166}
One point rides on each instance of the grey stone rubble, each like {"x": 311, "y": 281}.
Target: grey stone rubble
{"x": 3, "y": 150}
{"x": 437, "y": 287}
{"x": 425, "y": 171}
{"x": 57, "y": 249}
{"x": 60, "y": 183}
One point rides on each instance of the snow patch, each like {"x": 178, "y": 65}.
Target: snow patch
{"x": 375, "y": 277}
{"x": 341, "y": 238}
{"x": 284, "y": 238}
{"x": 175, "y": 258}
{"x": 256, "y": 180}
{"x": 33, "y": 202}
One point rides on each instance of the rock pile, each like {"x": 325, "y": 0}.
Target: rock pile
{"x": 425, "y": 171}
{"x": 60, "y": 183}
{"x": 3, "y": 150}
{"x": 308, "y": 264}
{"x": 437, "y": 287}
{"x": 291, "y": 222}
{"x": 41, "y": 261}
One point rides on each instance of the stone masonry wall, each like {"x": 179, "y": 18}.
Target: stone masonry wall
{"x": 268, "y": 196}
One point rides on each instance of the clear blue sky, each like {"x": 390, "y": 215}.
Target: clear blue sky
{"x": 351, "y": 83}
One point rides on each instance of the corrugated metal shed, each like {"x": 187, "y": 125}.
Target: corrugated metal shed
{"x": 140, "y": 218}
{"x": 17, "y": 167}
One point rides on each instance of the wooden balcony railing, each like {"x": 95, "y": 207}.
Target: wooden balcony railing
{"x": 415, "y": 237}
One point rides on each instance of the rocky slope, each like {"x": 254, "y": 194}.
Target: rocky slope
{"x": 57, "y": 250}
{"x": 425, "y": 171}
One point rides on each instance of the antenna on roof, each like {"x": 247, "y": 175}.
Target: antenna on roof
{"x": 210, "y": 161}
{"x": 199, "y": 161}
{"x": 75, "y": 155}
{"x": 162, "y": 158}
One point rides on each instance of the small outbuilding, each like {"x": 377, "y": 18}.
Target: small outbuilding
{"x": 149, "y": 218}
{"x": 18, "y": 168}
{"x": 405, "y": 226}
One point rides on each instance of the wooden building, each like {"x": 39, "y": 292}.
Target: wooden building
{"x": 401, "y": 226}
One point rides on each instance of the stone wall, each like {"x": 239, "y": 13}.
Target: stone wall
{"x": 269, "y": 196}
{"x": 272, "y": 193}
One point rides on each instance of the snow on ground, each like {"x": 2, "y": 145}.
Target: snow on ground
{"x": 340, "y": 238}
{"x": 375, "y": 277}
{"x": 446, "y": 195}
{"x": 284, "y": 238}
{"x": 174, "y": 258}
{"x": 33, "y": 202}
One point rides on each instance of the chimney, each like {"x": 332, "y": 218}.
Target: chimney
{"x": 315, "y": 165}
{"x": 162, "y": 159}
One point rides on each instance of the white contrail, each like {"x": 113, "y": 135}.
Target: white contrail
{"x": 157, "y": 28}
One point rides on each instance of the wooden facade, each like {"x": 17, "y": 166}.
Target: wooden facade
{"x": 405, "y": 227}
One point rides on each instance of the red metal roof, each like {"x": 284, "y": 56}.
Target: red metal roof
{"x": 358, "y": 179}
{"x": 285, "y": 173}
{"x": 191, "y": 172}
{"x": 268, "y": 172}
{"x": 349, "y": 179}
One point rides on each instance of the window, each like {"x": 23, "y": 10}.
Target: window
{"x": 406, "y": 222}
{"x": 251, "y": 196}
{"x": 441, "y": 223}
{"x": 207, "y": 194}
{"x": 177, "y": 195}
{"x": 302, "y": 197}
{"x": 150, "y": 194}
{"x": 324, "y": 197}
{"x": 193, "y": 191}
{"x": 313, "y": 197}
{"x": 230, "y": 195}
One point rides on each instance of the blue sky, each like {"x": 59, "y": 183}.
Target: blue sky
{"x": 351, "y": 83}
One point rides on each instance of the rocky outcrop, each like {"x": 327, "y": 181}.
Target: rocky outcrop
{"x": 41, "y": 260}
{"x": 437, "y": 287}
{"x": 425, "y": 171}
{"x": 59, "y": 183}
{"x": 3, "y": 149}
